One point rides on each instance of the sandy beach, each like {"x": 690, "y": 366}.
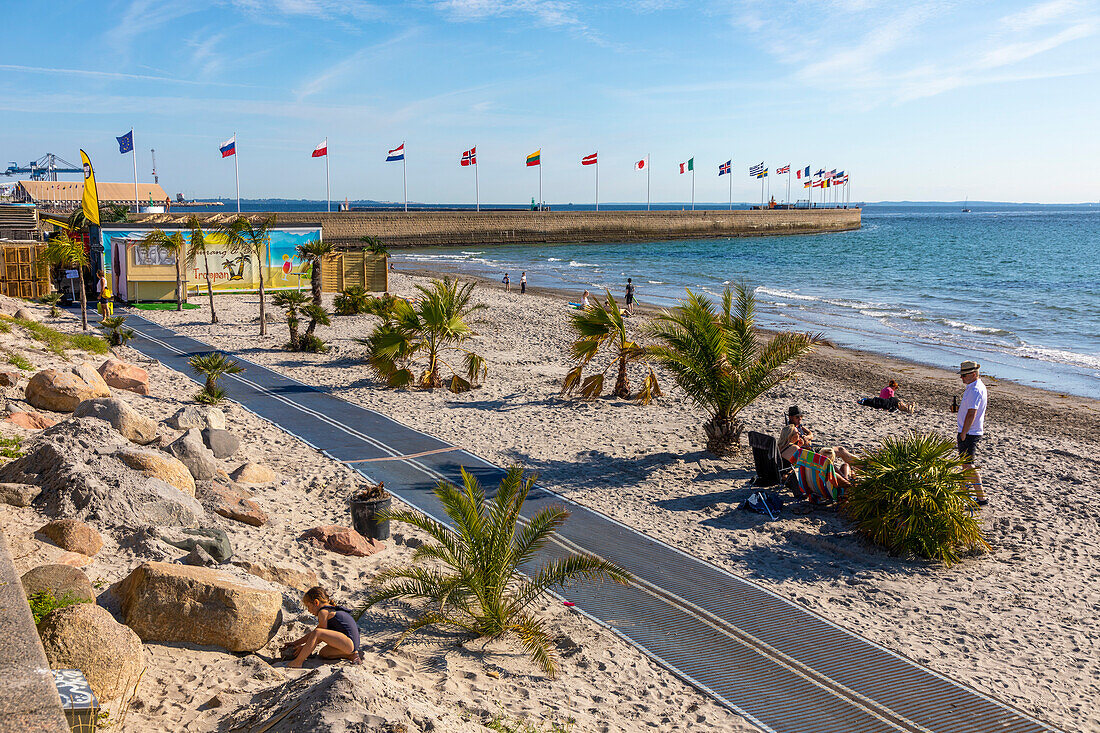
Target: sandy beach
{"x": 1016, "y": 622}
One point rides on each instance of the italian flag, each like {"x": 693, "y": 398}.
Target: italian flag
{"x": 688, "y": 166}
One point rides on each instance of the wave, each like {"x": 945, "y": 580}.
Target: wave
{"x": 1060, "y": 356}
{"x": 656, "y": 282}
{"x": 971, "y": 328}
{"x": 472, "y": 253}
{"x": 574, "y": 263}
{"x": 553, "y": 259}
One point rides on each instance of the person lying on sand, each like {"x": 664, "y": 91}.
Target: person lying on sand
{"x": 889, "y": 393}
{"x": 336, "y": 630}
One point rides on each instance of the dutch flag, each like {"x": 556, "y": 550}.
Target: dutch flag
{"x": 397, "y": 153}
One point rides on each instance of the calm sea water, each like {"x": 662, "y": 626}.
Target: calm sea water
{"x": 1014, "y": 287}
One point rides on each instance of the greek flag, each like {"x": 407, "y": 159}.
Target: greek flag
{"x": 756, "y": 170}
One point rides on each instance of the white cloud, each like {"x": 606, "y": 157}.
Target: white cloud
{"x": 560, "y": 14}
{"x": 1040, "y": 15}
{"x": 343, "y": 68}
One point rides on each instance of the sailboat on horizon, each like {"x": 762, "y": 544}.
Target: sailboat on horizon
{"x": 966, "y": 205}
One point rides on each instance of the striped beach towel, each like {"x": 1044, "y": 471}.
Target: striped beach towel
{"x": 816, "y": 476}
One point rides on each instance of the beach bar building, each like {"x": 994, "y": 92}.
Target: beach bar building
{"x": 66, "y": 195}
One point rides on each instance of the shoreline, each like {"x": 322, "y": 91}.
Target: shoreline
{"x": 823, "y": 357}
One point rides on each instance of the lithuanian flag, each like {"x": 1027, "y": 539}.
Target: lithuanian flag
{"x": 534, "y": 158}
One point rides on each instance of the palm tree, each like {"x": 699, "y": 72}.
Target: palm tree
{"x": 212, "y": 366}
{"x": 250, "y": 237}
{"x": 480, "y": 589}
{"x": 292, "y": 302}
{"x": 715, "y": 358}
{"x": 598, "y": 325}
{"x": 115, "y": 329}
{"x": 433, "y": 327}
{"x": 64, "y": 251}
{"x": 197, "y": 245}
{"x": 313, "y": 252}
{"x": 173, "y": 244}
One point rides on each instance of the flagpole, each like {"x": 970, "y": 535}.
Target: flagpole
{"x": 541, "y": 202}
{"x": 648, "y": 164}
{"x": 328, "y": 196}
{"x": 730, "y": 174}
{"x": 693, "y": 183}
{"x": 788, "y": 185}
{"x": 597, "y": 180}
{"x": 405, "y": 175}
{"x": 133, "y": 149}
{"x": 477, "y": 186}
{"x": 237, "y": 171}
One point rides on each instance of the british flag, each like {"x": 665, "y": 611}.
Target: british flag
{"x": 784, "y": 169}
{"x": 470, "y": 157}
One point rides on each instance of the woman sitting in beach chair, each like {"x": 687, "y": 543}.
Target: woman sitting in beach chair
{"x": 336, "y": 631}
{"x": 817, "y": 476}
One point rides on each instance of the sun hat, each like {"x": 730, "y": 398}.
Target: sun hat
{"x": 969, "y": 366}
{"x": 794, "y": 411}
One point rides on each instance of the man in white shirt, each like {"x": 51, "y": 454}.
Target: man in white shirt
{"x": 972, "y": 423}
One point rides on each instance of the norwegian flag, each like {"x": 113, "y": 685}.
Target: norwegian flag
{"x": 469, "y": 157}
{"x": 784, "y": 169}
{"x": 589, "y": 159}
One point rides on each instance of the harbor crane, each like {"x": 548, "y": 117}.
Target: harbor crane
{"x": 45, "y": 168}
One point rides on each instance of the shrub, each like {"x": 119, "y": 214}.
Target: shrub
{"x": 114, "y": 327}
{"x": 911, "y": 496}
{"x": 480, "y": 589}
{"x": 351, "y": 301}
{"x": 11, "y": 447}
{"x": 18, "y": 360}
{"x": 52, "y": 299}
{"x": 57, "y": 341}
{"x": 43, "y": 602}
{"x": 212, "y": 366}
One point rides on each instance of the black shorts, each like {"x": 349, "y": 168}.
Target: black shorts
{"x": 968, "y": 446}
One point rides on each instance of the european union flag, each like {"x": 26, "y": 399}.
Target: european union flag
{"x": 126, "y": 142}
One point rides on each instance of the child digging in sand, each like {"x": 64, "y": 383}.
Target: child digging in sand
{"x": 336, "y": 629}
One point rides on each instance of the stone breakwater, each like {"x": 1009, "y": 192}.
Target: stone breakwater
{"x": 442, "y": 228}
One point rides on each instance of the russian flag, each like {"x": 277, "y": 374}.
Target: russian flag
{"x": 397, "y": 153}
{"x": 321, "y": 149}
{"x": 229, "y": 147}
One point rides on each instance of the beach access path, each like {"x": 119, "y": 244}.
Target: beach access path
{"x": 780, "y": 665}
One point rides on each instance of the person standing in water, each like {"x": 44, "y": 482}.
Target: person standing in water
{"x": 507, "y": 282}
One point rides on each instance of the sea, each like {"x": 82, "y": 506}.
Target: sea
{"x": 1015, "y": 287}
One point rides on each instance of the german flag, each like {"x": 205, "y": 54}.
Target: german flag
{"x": 534, "y": 158}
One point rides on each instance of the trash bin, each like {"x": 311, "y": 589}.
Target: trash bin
{"x": 365, "y": 508}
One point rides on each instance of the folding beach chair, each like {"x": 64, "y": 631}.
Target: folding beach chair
{"x": 816, "y": 476}
{"x": 765, "y": 454}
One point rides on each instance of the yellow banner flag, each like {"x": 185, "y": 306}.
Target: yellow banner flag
{"x": 90, "y": 202}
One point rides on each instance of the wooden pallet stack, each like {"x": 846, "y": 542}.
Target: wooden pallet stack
{"x": 21, "y": 276}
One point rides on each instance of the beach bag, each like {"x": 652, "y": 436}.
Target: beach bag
{"x": 768, "y": 503}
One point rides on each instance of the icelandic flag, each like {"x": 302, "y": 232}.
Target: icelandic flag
{"x": 803, "y": 173}
{"x": 397, "y": 153}
{"x": 320, "y": 150}
{"x": 469, "y": 157}
{"x": 126, "y": 142}
{"x": 229, "y": 147}
{"x": 724, "y": 168}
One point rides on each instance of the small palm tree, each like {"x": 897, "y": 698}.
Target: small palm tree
{"x": 250, "y": 236}
{"x": 174, "y": 245}
{"x": 61, "y": 250}
{"x": 197, "y": 245}
{"x": 114, "y": 327}
{"x": 52, "y": 299}
{"x": 598, "y": 325}
{"x": 912, "y": 497}
{"x": 351, "y": 301}
{"x": 715, "y": 358}
{"x": 480, "y": 589}
{"x": 313, "y": 252}
{"x": 212, "y": 366}
{"x": 432, "y": 329}
{"x": 292, "y": 302}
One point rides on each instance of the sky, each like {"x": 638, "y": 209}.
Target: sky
{"x": 933, "y": 100}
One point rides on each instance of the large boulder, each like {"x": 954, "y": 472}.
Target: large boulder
{"x": 31, "y": 420}
{"x": 62, "y": 391}
{"x": 25, "y": 315}
{"x": 194, "y": 454}
{"x": 233, "y": 502}
{"x": 86, "y": 637}
{"x": 120, "y": 375}
{"x": 130, "y": 423}
{"x": 15, "y": 494}
{"x": 81, "y": 477}
{"x": 254, "y": 473}
{"x": 197, "y": 416}
{"x": 343, "y": 540}
{"x": 221, "y": 443}
{"x": 157, "y": 464}
{"x": 73, "y": 535}
{"x": 60, "y": 580}
{"x": 301, "y": 580}
{"x": 196, "y": 605}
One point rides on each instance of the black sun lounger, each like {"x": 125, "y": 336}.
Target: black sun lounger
{"x": 765, "y": 454}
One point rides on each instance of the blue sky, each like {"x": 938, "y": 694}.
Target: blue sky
{"x": 923, "y": 101}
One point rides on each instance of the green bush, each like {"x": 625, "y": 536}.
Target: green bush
{"x": 11, "y": 447}
{"x": 18, "y": 360}
{"x": 911, "y": 497}
{"x": 58, "y": 342}
{"x": 115, "y": 331}
{"x": 351, "y": 301}
{"x": 43, "y": 602}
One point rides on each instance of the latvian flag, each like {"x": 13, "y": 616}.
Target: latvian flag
{"x": 802, "y": 172}
{"x": 397, "y": 153}
{"x": 229, "y": 147}
{"x": 642, "y": 164}
{"x": 469, "y": 157}
{"x": 589, "y": 159}
{"x": 724, "y": 168}
{"x": 784, "y": 169}
{"x": 321, "y": 150}
{"x": 758, "y": 170}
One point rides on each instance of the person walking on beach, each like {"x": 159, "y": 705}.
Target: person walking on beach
{"x": 507, "y": 282}
{"x": 105, "y": 306}
{"x": 523, "y": 283}
{"x": 336, "y": 631}
{"x": 971, "y": 419}
{"x": 629, "y": 297}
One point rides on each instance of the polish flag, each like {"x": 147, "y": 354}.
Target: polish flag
{"x": 321, "y": 149}
{"x": 642, "y": 164}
